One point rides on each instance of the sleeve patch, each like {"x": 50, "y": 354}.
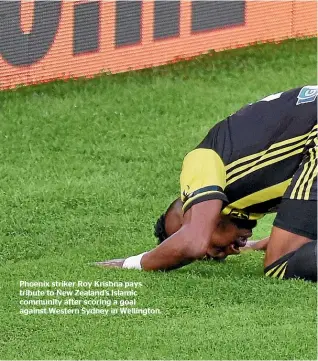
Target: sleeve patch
{"x": 307, "y": 94}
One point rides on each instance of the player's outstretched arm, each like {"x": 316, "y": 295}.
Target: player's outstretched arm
{"x": 191, "y": 242}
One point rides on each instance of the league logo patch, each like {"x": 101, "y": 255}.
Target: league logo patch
{"x": 307, "y": 94}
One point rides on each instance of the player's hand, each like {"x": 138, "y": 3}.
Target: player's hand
{"x": 249, "y": 246}
{"x": 255, "y": 245}
{"x": 113, "y": 263}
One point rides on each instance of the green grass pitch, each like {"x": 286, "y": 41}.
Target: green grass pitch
{"x": 86, "y": 169}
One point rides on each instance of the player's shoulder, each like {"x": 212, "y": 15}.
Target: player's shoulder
{"x": 300, "y": 95}
{"x": 283, "y": 102}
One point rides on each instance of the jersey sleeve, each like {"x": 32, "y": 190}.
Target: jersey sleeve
{"x": 203, "y": 178}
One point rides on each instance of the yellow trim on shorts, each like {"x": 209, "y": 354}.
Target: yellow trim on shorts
{"x": 277, "y": 271}
{"x": 269, "y": 272}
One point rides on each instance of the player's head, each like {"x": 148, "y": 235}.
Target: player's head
{"x": 228, "y": 229}
{"x": 170, "y": 221}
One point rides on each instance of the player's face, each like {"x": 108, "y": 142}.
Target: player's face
{"x": 226, "y": 236}
{"x": 227, "y": 232}
{"x": 227, "y": 239}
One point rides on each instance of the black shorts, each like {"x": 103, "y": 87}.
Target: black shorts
{"x": 297, "y": 213}
{"x": 301, "y": 263}
{"x": 298, "y": 217}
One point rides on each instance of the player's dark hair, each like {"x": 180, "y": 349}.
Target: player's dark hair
{"x": 244, "y": 223}
{"x": 160, "y": 226}
{"x": 160, "y": 230}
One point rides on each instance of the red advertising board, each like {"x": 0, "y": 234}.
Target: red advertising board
{"x": 45, "y": 40}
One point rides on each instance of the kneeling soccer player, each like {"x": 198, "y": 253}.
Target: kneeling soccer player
{"x": 260, "y": 160}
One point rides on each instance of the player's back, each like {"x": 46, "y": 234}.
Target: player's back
{"x": 261, "y": 146}
{"x": 277, "y": 119}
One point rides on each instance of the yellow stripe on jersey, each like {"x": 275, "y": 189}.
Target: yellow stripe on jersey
{"x": 266, "y": 156}
{"x": 314, "y": 173}
{"x": 313, "y": 135}
{"x": 245, "y": 159}
{"x": 307, "y": 176}
{"x": 299, "y": 182}
{"x": 311, "y": 179}
{"x": 274, "y": 146}
{"x": 310, "y": 173}
{"x": 263, "y": 195}
{"x": 265, "y": 164}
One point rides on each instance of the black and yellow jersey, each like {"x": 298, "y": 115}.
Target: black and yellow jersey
{"x": 248, "y": 160}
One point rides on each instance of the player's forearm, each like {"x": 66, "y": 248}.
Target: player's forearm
{"x": 151, "y": 263}
{"x": 191, "y": 242}
{"x": 174, "y": 253}
{"x": 260, "y": 245}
